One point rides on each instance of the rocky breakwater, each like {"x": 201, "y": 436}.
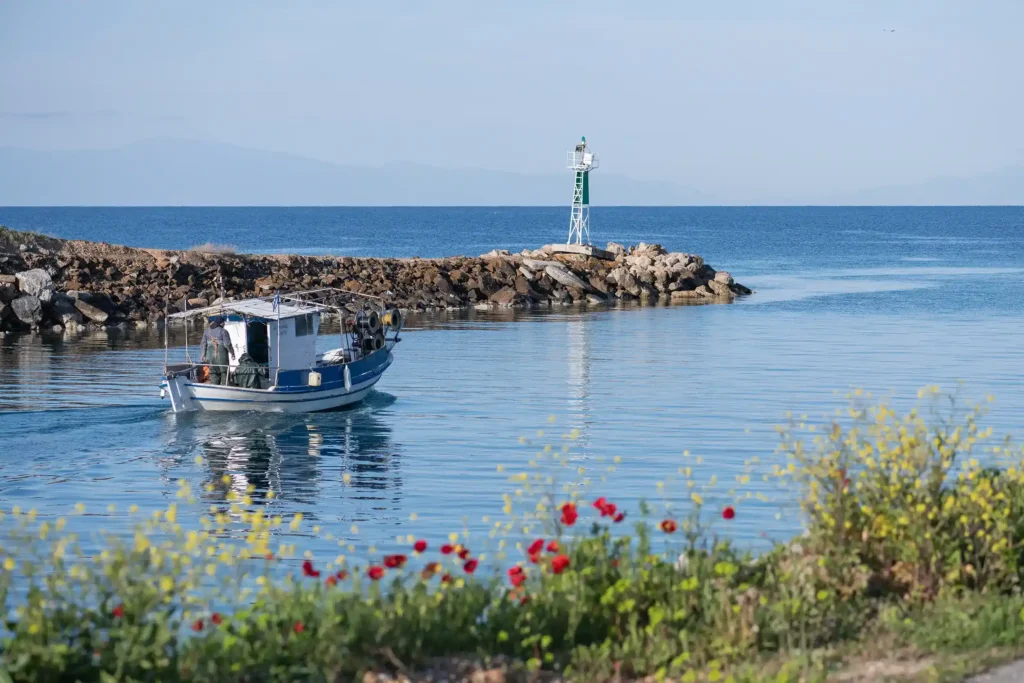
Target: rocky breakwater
{"x": 48, "y": 283}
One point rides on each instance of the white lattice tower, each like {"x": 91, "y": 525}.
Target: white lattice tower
{"x": 582, "y": 161}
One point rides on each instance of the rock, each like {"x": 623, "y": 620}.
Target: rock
{"x": 625, "y": 281}
{"x": 527, "y": 273}
{"x": 537, "y": 264}
{"x": 65, "y": 311}
{"x": 523, "y": 286}
{"x": 724, "y": 277}
{"x": 9, "y": 280}
{"x": 5, "y": 310}
{"x": 616, "y": 249}
{"x": 598, "y": 284}
{"x": 34, "y": 282}
{"x": 91, "y": 312}
{"x": 563, "y": 276}
{"x": 595, "y": 299}
{"x": 8, "y": 291}
{"x": 704, "y": 291}
{"x": 504, "y": 296}
{"x": 496, "y": 253}
{"x": 720, "y": 289}
{"x": 28, "y": 309}
{"x": 687, "y": 295}
{"x": 442, "y": 285}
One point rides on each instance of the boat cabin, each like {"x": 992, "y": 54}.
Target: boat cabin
{"x": 274, "y": 338}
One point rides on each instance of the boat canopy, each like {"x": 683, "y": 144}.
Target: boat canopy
{"x": 286, "y": 306}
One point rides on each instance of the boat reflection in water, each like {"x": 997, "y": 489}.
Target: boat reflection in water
{"x": 306, "y": 460}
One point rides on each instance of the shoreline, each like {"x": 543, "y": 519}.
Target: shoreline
{"x": 49, "y": 283}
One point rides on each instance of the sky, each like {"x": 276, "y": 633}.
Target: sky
{"x": 742, "y": 99}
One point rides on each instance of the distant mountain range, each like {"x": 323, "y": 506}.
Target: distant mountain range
{"x": 170, "y": 172}
{"x": 176, "y": 173}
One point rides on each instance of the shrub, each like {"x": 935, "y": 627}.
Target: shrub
{"x": 668, "y": 597}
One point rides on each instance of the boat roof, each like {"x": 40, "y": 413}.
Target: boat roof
{"x": 288, "y": 305}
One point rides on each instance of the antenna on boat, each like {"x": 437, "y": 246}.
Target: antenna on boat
{"x": 582, "y": 161}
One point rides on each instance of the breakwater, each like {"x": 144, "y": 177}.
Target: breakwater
{"x": 48, "y": 282}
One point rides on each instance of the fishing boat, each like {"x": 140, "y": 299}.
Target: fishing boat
{"x": 275, "y": 366}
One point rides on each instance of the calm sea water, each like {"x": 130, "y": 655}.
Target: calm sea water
{"x": 883, "y": 299}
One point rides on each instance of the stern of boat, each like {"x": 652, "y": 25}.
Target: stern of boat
{"x": 177, "y": 389}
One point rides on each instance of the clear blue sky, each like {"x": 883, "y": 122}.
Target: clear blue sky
{"x": 745, "y": 98}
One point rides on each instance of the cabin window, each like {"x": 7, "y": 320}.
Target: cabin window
{"x": 304, "y": 325}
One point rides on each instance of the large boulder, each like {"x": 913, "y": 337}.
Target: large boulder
{"x": 91, "y": 312}
{"x": 506, "y": 296}
{"x": 28, "y": 309}
{"x": 615, "y": 249}
{"x": 565, "y": 277}
{"x": 720, "y": 289}
{"x": 65, "y": 311}
{"x": 35, "y": 282}
{"x": 8, "y": 288}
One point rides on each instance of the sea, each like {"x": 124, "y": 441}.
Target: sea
{"x": 612, "y": 401}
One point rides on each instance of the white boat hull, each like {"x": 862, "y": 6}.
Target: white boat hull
{"x": 188, "y": 396}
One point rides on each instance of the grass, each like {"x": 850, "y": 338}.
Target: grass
{"x": 910, "y": 568}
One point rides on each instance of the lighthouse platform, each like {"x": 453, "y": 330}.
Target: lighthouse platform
{"x": 581, "y": 249}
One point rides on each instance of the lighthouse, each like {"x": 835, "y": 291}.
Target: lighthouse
{"x": 581, "y": 161}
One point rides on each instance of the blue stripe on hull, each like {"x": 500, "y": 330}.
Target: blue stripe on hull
{"x": 283, "y": 402}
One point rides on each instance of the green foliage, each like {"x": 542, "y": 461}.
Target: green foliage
{"x": 906, "y": 534}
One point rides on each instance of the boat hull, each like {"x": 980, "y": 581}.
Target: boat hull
{"x": 187, "y": 396}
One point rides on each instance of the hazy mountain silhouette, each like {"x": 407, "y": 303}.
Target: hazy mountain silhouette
{"x": 1002, "y": 187}
{"x": 177, "y": 172}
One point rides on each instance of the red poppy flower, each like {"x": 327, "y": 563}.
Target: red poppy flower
{"x": 536, "y": 546}
{"x": 307, "y": 570}
{"x": 463, "y": 553}
{"x": 609, "y": 510}
{"x": 447, "y": 549}
{"x": 420, "y": 546}
{"x": 395, "y": 561}
{"x": 569, "y": 514}
{"x": 429, "y": 571}
{"x": 535, "y": 558}
{"x": 268, "y": 556}
{"x": 553, "y": 547}
{"x": 668, "y": 526}
{"x": 619, "y": 517}
{"x": 331, "y": 580}
{"x": 118, "y": 611}
{"x": 559, "y": 564}
{"x": 197, "y": 625}
{"x": 216, "y": 619}
{"x": 729, "y": 512}
{"x": 523, "y": 600}
{"x": 517, "y": 576}
{"x": 600, "y": 503}
{"x": 470, "y": 566}
{"x": 342, "y": 575}
{"x": 447, "y": 578}
{"x": 298, "y": 627}
{"x": 375, "y": 572}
